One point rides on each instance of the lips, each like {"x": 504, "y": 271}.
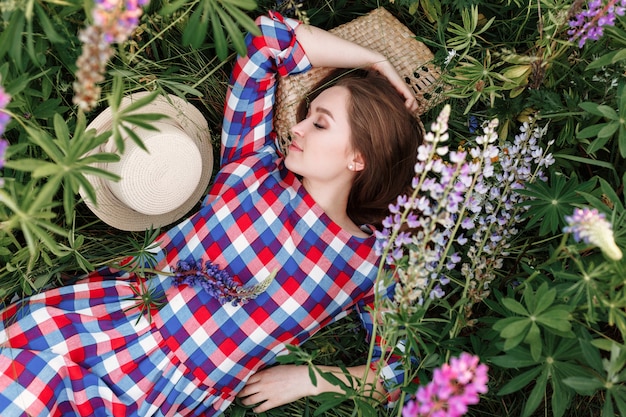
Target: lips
{"x": 294, "y": 147}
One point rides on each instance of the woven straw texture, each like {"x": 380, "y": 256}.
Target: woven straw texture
{"x": 378, "y": 30}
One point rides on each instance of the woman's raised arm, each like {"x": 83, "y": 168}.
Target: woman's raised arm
{"x": 323, "y": 49}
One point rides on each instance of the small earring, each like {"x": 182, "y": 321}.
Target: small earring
{"x": 350, "y": 167}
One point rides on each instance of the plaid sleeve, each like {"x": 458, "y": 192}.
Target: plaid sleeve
{"x": 390, "y": 366}
{"x": 248, "y": 110}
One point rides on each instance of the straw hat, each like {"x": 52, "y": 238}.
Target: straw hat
{"x": 160, "y": 186}
{"x": 380, "y": 31}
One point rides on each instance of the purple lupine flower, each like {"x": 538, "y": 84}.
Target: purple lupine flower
{"x": 453, "y": 388}
{"x": 217, "y": 282}
{"x": 590, "y": 226}
{"x": 589, "y": 23}
{"x": 5, "y": 98}
{"x": 3, "y": 147}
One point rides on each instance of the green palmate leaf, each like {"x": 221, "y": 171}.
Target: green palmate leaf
{"x": 588, "y": 161}
{"x": 607, "y": 59}
{"x": 221, "y": 46}
{"x": 561, "y": 397}
{"x": 51, "y": 34}
{"x": 584, "y": 385}
{"x": 196, "y": 30}
{"x": 599, "y": 110}
{"x": 533, "y": 339}
{"x": 515, "y": 358}
{"x": 607, "y": 410}
{"x": 590, "y": 131}
{"x": 591, "y": 355}
{"x": 620, "y": 401}
{"x": 536, "y": 395}
{"x": 519, "y": 381}
{"x": 551, "y": 201}
{"x": 557, "y": 318}
{"x": 249, "y": 5}
{"x": 597, "y": 144}
{"x": 609, "y": 130}
{"x": 514, "y": 306}
{"x": 170, "y": 7}
{"x": 622, "y": 139}
{"x": 545, "y": 298}
{"x": 233, "y": 31}
{"x": 241, "y": 18}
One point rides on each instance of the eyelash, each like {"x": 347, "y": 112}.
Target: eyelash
{"x": 318, "y": 126}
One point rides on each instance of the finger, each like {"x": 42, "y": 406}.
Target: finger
{"x": 248, "y": 390}
{"x": 253, "y": 400}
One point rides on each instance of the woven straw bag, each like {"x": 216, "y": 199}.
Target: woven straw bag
{"x": 378, "y": 30}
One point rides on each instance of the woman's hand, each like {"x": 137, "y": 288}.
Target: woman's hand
{"x": 388, "y": 71}
{"x": 324, "y": 49}
{"x": 282, "y": 384}
{"x": 277, "y": 385}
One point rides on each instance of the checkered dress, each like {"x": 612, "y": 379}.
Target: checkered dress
{"x": 86, "y": 350}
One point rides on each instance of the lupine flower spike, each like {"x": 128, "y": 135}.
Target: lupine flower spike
{"x": 458, "y": 193}
{"x": 590, "y": 226}
{"x": 113, "y": 22}
{"x": 589, "y": 23}
{"x": 217, "y": 282}
{"x": 453, "y": 388}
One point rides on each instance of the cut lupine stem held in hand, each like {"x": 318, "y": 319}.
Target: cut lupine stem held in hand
{"x": 217, "y": 282}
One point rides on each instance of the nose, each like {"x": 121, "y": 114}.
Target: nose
{"x": 298, "y": 128}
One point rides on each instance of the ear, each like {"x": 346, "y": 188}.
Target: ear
{"x": 358, "y": 162}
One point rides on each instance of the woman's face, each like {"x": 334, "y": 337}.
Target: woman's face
{"x": 321, "y": 148}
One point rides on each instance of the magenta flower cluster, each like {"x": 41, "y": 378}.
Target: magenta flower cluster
{"x": 4, "y": 121}
{"x": 453, "y": 388}
{"x": 589, "y": 23}
{"x": 113, "y": 22}
{"x": 5, "y": 98}
{"x": 217, "y": 282}
{"x": 464, "y": 209}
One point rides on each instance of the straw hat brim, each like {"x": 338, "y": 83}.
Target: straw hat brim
{"x": 380, "y": 31}
{"x": 178, "y": 113}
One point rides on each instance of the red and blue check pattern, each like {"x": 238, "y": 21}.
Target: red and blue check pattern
{"x": 85, "y": 350}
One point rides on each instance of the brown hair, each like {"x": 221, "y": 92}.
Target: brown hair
{"x": 385, "y": 133}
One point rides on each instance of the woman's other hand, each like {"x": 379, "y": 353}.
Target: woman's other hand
{"x": 276, "y": 386}
{"x": 282, "y": 384}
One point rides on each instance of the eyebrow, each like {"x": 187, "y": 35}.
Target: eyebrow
{"x": 325, "y": 111}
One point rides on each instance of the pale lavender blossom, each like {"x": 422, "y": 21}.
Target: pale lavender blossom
{"x": 463, "y": 199}
{"x": 590, "y": 226}
{"x": 589, "y": 23}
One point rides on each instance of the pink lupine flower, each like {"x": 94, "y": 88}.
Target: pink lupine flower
{"x": 453, "y": 388}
